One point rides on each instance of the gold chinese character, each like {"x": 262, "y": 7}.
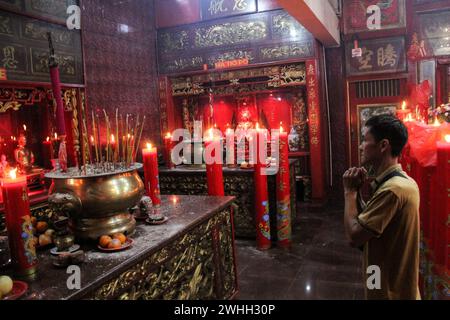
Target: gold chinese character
{"x": 311, "y": 70}
{"x": 312, "y": 106}
{"x": 216, "y": 6}
{"x": 364, "y": 60}
{"x": 9, "y": 60}
{"x": 240, "y": 5}
{"x": 315, "y": 141}
{"x": 312, "y": 82}
{"x": 312, "y": 94}
{"x": 387, "y": 56}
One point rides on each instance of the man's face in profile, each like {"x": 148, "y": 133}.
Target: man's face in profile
{"x": 369, "y": 148}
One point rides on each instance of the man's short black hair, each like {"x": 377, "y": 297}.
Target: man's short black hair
{"x": 390, "y": 128}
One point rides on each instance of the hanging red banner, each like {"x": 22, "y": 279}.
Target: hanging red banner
{"x": 315, "y": 130}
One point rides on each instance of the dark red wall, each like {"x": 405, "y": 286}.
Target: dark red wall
{"x": 121, "y": 66}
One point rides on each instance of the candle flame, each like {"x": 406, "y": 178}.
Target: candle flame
{"x": 24, "y": 127}
{"x": 48, "y": 139}
{"x": 168, "y": 135}
{"x": 149, "y": 146}
{"x": 281, "y": 129}
{"x": 257, "y": 126}
{"x": 13, "y": 173}
{"x": 404, "y": 105}
{"x": 447, "y": 138}
{"x": 113, "y": 140}
{"x": 436, "y": 122}
{"x": 174, "y": 200}
{"x": 92, "y": 139}
{"x": 56, "y": 136}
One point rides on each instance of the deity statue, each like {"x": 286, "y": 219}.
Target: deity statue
{"x": 23, "y": 156}
{"x": 4, "y": 165}
{"x": 62, "y": 154}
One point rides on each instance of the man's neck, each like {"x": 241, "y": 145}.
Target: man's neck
{"x": 385, "y": 164}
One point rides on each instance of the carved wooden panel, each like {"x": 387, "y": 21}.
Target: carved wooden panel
{"x": 260, "y": 37}
{"x": 54, "y": 10}
{"x": 198, "y": 265}
{"x": 24, "y": 49}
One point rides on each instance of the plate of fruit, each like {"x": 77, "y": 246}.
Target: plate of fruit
{"x": 114, "y": 243}
{"x": 11, "y": 290}
{"x": 43, "y": 234}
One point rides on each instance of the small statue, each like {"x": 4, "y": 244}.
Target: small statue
{"x": 62, "y": 154}
{"x": 4, "y": 165}
{"x": 24, "y": 157}
{"x": 146, "y": 208}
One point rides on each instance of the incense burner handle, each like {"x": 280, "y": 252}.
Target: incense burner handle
{"x": 66, "y": 204}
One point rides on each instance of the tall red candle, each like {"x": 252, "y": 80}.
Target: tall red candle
{"x": 47, "y": 153}
{"x": 230, "y": 141}
{"x": 262, "y": 218}
{"x": 442, "y": 242}
{"x": 18, "y": 224}
{"x": 284, "y": 227}
{"x": 168, "y": 148}
{"x": 214, "y": 170}
{"x": 151, "y": 174}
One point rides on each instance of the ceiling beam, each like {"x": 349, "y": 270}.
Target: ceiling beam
{"x": 318, "y": 17}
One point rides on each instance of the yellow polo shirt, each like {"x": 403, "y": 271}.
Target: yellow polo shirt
{"x": 392, "y": 215}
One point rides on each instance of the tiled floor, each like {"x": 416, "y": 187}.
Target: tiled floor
{"x": 320, "y": 264}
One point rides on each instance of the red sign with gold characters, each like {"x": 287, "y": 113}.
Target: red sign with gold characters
{"x": 3, "y": 75}
{"x": 231, "y": 63}
{"x": 317, "y": 157}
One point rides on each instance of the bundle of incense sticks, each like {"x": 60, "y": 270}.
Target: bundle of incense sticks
{"x": 121, "y": 143}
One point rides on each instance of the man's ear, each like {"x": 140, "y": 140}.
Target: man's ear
{"x": 385, "y": 145}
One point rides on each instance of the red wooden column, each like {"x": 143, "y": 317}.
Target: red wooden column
{"x": 315, "y": 111}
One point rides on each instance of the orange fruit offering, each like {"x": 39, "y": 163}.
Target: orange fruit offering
{"x": 41, "y": 226}
{"x": 114, "y": 244}
{"x": 121, "y": 237}
{"x": 105, "y": 241}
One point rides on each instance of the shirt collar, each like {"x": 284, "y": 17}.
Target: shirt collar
{"x": 380, "y": 177}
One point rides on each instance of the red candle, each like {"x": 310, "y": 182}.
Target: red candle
{"x": 18, "y": 224}
{"x": 151, "y": 173}
{"x": 261, "y": 196}
{"x": 229, "y": 136}
{"x": 214, "y": 170}
{"x": 168, "y": 147}
{"x": 47, "y": 153}
{"x": 284, "y": 228}
{"x": 442, "y": 242}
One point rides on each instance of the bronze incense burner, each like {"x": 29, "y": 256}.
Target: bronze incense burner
{"x": 97, "y": 204}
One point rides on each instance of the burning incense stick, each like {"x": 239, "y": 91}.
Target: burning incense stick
{"x": 95, "y": 137}
{"x": 139, "y": 139}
